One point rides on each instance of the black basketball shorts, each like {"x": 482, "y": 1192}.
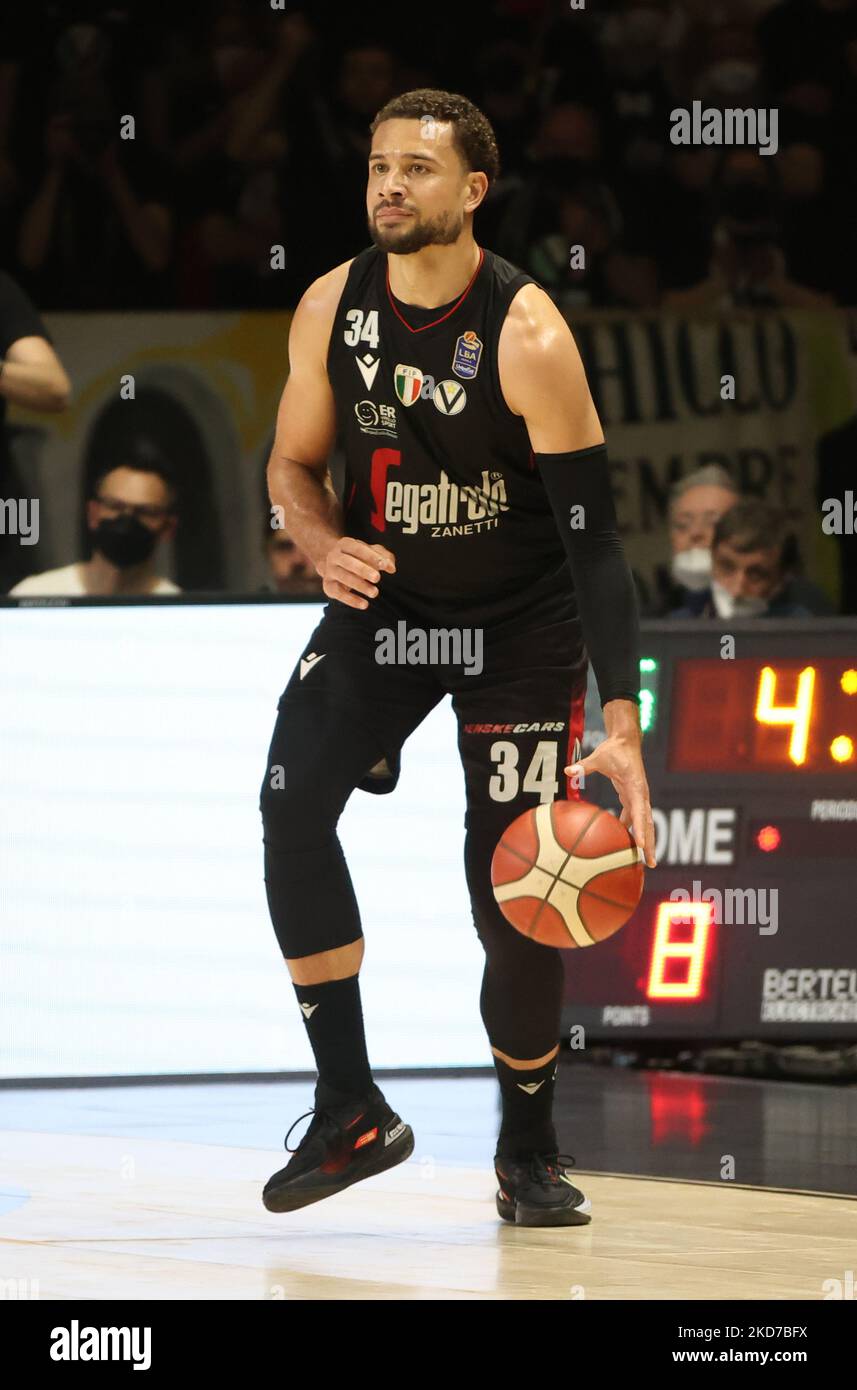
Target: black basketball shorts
{"x": 517, "y": 690}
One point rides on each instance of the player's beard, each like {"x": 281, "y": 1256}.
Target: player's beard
{"x": 404, "y": 238}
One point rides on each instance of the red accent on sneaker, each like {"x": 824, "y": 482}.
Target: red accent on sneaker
{"x": 366, "y": 1138}
{"x": 336, "y": 1163}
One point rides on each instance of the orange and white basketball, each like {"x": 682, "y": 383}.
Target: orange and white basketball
{"x": 567, "y": 874}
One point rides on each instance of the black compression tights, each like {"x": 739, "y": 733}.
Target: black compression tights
{"x": 310, "y": 776}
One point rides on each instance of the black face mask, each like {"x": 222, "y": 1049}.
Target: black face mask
{"x": 124, "y": 541}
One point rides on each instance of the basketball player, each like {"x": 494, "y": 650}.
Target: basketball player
{"x": 457, "y": 392}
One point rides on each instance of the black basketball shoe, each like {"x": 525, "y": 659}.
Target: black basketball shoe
{"x": 343, "y": 1144}
{"x": 539, "y": 1192}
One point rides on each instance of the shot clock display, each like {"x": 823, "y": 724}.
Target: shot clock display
{"x": 747, "y": 927}
{"x": 732, "y": 716}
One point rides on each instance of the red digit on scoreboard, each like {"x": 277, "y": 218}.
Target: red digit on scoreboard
{"x": 666, "y": 949}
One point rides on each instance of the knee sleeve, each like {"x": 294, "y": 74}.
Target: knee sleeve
{"x": 300, "y": 806}
{"x": 311, "y": 772}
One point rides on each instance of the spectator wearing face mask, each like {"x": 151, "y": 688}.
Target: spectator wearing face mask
{"x": 696, "y": 504}
{"x": 749, "y": 574}
{"x": 132, "y": 512}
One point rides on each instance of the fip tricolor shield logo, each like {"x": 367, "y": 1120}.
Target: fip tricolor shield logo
{"x": 408, "y": 382}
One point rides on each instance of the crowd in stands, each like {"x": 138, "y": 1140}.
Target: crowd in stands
{"x": 251, "y": 131}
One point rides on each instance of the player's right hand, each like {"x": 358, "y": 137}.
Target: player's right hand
{"x": 351, "y": 569}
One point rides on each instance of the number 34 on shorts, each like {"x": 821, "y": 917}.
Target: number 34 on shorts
{"x": 511, "y": 776}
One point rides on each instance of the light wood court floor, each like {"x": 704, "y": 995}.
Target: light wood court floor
{"x": 108, "y": 1216}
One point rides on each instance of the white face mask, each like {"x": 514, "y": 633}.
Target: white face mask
{"x": 728, "y": 606}
{"x": 692, "y": 568}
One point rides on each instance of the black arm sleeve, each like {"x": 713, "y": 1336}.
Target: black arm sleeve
{"x": 602, "y": 577}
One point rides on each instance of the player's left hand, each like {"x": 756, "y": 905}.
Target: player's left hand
{"x": 621, "y": 760}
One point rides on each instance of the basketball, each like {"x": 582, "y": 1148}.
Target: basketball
{"x": 567, "y": 874}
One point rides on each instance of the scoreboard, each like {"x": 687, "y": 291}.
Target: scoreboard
{"x": 747, "y": 927}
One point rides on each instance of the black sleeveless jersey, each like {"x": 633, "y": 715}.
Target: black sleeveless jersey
{"x": 437, "y": 467}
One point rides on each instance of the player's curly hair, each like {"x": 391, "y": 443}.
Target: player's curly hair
{"x": 473, "y": 134}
